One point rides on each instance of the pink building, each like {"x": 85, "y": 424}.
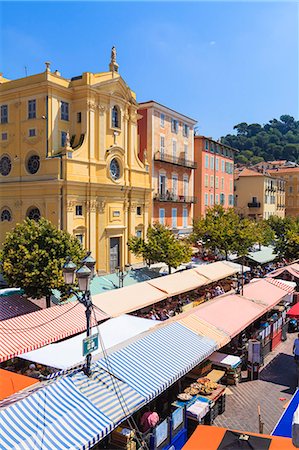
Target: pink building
{"x": 166, "y": 140}
{"x": 214, "y": 176}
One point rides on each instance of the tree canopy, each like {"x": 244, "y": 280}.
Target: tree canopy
{"x": 33, "y": 255}
{"x": 223, "y": 230}
{"x": 161, "y": 245}
{"x": 286, "y": 236}
{"x": 278, "y": 139}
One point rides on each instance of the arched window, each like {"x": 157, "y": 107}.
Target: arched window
{"x": 34, "y": 214}
{"x": 115, "y": 117}
{"x": 5, "y": 165}
{"x": 5, "y": 215}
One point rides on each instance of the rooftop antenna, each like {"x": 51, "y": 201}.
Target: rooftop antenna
{"x": 26, "y": 73}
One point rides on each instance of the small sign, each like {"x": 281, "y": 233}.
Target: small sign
{"x": 90, "y": 344}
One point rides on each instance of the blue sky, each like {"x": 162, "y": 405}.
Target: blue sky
{"x": 219, "y": 62}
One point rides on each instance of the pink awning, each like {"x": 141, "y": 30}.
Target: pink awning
{"x": 282, "y": 284}
{"x": 34, "y": 330}
{"x": 230, "y": 313}
{"x": 264, "y": 292}
{"x": 292, "y": 269}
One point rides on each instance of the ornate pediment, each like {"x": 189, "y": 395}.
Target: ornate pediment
{"x": 115, "y": 88}
{"x": 114, "y": 151}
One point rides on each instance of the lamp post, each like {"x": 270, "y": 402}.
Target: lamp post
{"x": 238, "y": 284}
{"x": 122, "y": 273}
{"x": 84, "y": 274}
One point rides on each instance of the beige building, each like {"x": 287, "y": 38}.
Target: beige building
{"x": 69, "y": 152}
{"x": 291, "y": 177}
{"x": 259, "y": 195}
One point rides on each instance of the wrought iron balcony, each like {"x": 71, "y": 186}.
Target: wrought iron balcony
{"x": 168, "y": 197}
{"x": 177, "y": 161}
{"x": 254, "y": 205}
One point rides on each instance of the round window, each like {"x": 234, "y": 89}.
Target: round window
{"x": 5, "y": 165}
{"x": 114, "y": 169}
{"x": 34, "y": 214}
{"x": 33, "y": 164}
{"x": 5, "y": 215}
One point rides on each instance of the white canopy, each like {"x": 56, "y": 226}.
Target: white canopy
{"x": 68, "y": 353}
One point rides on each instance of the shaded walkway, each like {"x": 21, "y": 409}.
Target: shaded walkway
{"x": 278, "y": 379}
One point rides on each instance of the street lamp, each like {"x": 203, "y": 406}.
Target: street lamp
{"x": 122, "y": 273}
{"x": 238, "y": 284}
{"x": 84, "y": 275}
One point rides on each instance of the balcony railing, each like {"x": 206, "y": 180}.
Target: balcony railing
{"x": 254, "y": 205}
{"x": 174, "y": 198}
{"x": 175, "y": 160}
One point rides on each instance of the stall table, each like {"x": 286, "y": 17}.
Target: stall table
{"x": 215, "y": 375}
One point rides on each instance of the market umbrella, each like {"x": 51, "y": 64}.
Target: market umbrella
{"x": 294, "y": 311}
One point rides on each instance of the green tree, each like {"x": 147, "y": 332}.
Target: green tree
{"x": 264, "y": 233}
{"x": 161, "y": 245}
{"x": 286, "y": 232}
{"x": 277, "y": 139}
{"x": 33, "y": 255}
{"x": 223, "y": 230}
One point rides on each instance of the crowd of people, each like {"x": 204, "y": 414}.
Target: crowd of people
{"x": 27, "y": 368}
{"x": 174, "y": 305}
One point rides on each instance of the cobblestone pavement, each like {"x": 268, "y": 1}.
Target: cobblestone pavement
{"x": 278, "y": 379}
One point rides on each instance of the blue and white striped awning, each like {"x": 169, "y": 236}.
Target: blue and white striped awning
{"x": 114, "y": 398}
{"x": 154, "y": 362}
{"x": 58, "y": 416}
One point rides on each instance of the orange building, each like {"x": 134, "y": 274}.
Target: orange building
{"x": 214, "y": 176}
{"x": 166, "y": 142}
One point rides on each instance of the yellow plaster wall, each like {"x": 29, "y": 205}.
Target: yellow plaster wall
{"x": 68, "y": 177}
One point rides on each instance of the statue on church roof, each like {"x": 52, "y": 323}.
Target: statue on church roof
{"x": 113, "y": 66}
{"x": 113, "y": 54}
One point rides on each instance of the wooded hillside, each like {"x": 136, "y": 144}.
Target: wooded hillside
{"x": 278, "y": 139}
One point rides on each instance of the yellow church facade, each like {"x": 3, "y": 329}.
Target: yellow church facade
{"x": 69, "y": 152}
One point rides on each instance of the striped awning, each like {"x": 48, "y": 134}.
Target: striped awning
{"x": 153, "y": 363}
{"x": 34, "y": 330}
{"x": 116, "y": 399}
{"x": 56, "y": 417}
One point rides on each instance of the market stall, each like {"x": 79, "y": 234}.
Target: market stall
{"x": 205, "y": 438}
{"x": 43, "y": 327}
{"x": 11, "y": 382}
{"x": 68, "y": 353}
{"x": 179, "y": 282}
{"x": 231, "y": 363}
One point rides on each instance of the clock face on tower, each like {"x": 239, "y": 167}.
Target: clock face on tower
{"x": 114, "y": 169}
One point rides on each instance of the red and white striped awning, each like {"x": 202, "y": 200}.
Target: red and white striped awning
{"x": 34, "y": 330}
{"x": 281, "y": 284}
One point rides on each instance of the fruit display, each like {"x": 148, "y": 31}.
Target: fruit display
{"x": 192, "y": 390}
